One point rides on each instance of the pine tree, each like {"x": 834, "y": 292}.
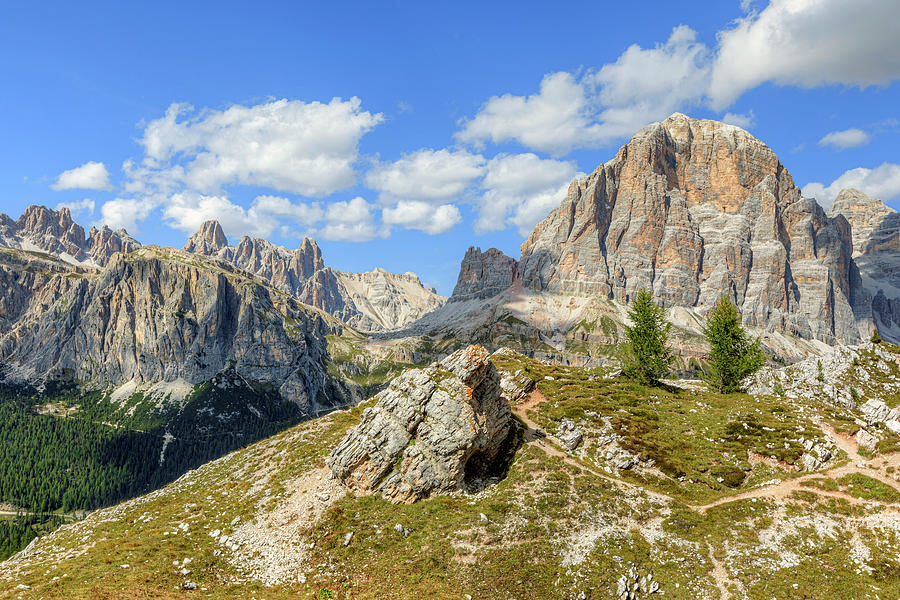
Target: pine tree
{"x": 646, "y": 356}
{"x": 732, "y": 356}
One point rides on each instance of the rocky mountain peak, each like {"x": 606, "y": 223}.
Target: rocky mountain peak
{"x": 429, "y": 432}
{"x": 875, "y": 225}
{"x": 208, "y": 240}
{"x": 53, "y": 231}
{"x": 484, "y": 274}
{"x": 693, "y": 210}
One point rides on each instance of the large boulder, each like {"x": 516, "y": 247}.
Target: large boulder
{"x": 430, "y": 432}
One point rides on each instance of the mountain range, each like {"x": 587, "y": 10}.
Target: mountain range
{"x": 173, "y": 348}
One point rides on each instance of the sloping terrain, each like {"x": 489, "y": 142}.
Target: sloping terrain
{"x": 674, "y": 490}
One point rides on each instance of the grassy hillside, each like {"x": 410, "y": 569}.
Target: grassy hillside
{"x": 714, "y": 506}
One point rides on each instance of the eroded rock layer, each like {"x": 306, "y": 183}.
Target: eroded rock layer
{"x": 693, "y": 210}
{"x": 429, "y": 431}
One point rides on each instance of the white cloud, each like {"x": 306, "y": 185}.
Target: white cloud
{"x": 77, "y": 206}
{"x": 808, "y": 43}
{"x": 351, "y": 221}
{"x": 89, "y": 176}
{"x": 285, "y": 145}
{"x": 646, "y": 85}
{"x": 125, "y": 213}
{"x": 848, "y": 138}
{"x": 424, "y": 216}
{"x": 643, "y": 85}
{"x": 187, "y": 211}
{"x": 744, "y": 121}
{"x": 521, "y": 189}
{"x": 882, "y": 182}
{"x": 556, "y": 120}
{"x": 426, "y": 175}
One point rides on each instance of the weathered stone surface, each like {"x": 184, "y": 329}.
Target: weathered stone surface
{"x": 54, "y": 232}
{"x": 876, "y": 226}
{"x": 104, "y": 242}
{"x": 484, "y": 274}
{"x": 569, "y": 435}
{"x": 866, "y": 440}
{"x": 373, "y": 301}
{"x": 693, "y": 210}
{"x": 156, "y": 315}
{"x": 876, "y": 251}
{"x": 428, "y": 431}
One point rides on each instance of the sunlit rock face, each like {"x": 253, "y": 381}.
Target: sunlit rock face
{"x": 693, "y": 210}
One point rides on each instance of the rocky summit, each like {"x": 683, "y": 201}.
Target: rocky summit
{"x": 54, "y": 232}
{"x": 484, "y": 274}
{"x": 429, "y": 432}
{"x": 693, "y": 210}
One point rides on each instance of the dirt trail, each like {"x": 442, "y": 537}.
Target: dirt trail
{"x": 719, "y": 574}
{"x": 876, "y": 469}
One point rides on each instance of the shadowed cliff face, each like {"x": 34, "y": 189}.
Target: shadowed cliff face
{"x": 693, "y": 210}
{"x": 164, "y": 315}
{"x": 876, "y": 251}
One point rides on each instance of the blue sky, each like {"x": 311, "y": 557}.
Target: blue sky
{"x": 398, "y": 134}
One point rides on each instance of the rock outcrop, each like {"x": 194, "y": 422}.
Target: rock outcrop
{"x": 373, "y": 301}
{"x": 429, "y": 431}
{"x": 693, "y": 210}
{"x": 484, "y": 274}
{"x": 53, "y": 232}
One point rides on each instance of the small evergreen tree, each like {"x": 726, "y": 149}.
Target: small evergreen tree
{"x": 732, "y": 356}
{"x": 646, "y": 356}
{"x": 876, "y": 339}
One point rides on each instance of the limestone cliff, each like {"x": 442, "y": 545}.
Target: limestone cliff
{"x": 693, "y": 210}
{"x": 156, "y": 315}
{"x": 484, "y": 274}
{"x": 876, "y": 251}
{"x": 373, "y": 301}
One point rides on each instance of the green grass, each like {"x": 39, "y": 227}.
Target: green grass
{"x": 551, "y": 528}
{"x": 700, "y": 441}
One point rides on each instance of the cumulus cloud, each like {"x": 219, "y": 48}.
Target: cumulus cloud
{"x": 521, "y": 189}
{"x": 808, "y": 43}
{"x": 848, "y": 138}
{"x": 125, "y": 213}
{"x": 89, "y": 176}
{"x": 882, "y": 182}
{"x": 643, "y": 85}
{"x": 556, "y": 120}
{"x": 286, "y": 145}
{"x": 351, "y": 221}
{"x": 649, "y": 84}
{"x": 424, "y": 216}
{"x": 744, "y": 121}
{"x": 77, "y": 206}
{"x": 187, "y": 211}
{"x": 426, "y": 176}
